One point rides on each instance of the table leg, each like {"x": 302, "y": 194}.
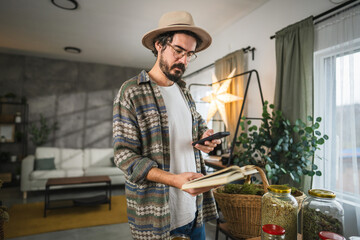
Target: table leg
{"x": 47, "y": 200}
{"x": 109, "y": 185}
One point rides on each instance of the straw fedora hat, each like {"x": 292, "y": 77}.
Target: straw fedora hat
{"x": 175, "y": 21}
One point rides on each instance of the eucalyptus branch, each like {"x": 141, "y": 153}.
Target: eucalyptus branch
{"x": 278, "y": 146}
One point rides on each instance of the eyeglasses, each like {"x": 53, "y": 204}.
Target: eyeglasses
{"x": 180, "y": 53}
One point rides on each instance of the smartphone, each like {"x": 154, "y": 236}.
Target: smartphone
{"x": 212, "y": 137}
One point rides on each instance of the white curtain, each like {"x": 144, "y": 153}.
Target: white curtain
{"x": 337, "y": 101}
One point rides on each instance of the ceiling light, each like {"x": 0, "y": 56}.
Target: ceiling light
{"x": 66, "y": 4}
{"x": 72, "y": 50}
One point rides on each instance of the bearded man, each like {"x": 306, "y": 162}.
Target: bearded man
{"x": 154, "y": 124}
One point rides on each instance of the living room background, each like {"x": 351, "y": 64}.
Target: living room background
{"x": 77, "y": 95}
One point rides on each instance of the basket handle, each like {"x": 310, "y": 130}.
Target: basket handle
{"x": 263, "y": 178}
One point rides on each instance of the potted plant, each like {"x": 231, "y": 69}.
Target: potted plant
{"x": 277, "y": 148}
{"x": 9, "y": 97}
{"x": 280, "y": 147}
{"x": 40, "y": 134}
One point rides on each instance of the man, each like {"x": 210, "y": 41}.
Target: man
{"x": 154, "y": 124}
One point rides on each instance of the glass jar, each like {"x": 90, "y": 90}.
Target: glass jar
{"x": 272, "y": 232}
{"x": 321, "y": 212}
{"x": 330, "y": 235}
{"x": 279, "y": 207}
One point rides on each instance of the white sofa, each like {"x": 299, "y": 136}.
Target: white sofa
{"x": 68, "y": 163}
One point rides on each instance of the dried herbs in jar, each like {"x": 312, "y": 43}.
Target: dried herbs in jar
{"x": 280, "y": 208}
{"x": 321, "y": 212}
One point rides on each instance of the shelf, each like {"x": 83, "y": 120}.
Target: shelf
{"x": 18, "y": 102}
{"x": 16, "y": 134}
{"x": 12, "y": 142}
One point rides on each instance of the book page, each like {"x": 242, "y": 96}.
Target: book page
{"x": 221, "y": 177}
{"x": 222, "y": 171}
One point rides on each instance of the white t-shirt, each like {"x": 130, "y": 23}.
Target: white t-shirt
{"x": 182, "y": 158}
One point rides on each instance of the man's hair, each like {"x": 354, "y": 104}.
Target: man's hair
{"x": 168, "y": 37}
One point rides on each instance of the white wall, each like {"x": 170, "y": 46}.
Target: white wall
{"x": 255, "y": 30}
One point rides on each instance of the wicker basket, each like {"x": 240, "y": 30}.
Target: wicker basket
{"x": 242, "y": 212}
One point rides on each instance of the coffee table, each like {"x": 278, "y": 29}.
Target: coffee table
{"x": 85, "y": 201}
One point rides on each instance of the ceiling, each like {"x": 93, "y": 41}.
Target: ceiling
{"x": 107, "y": 31}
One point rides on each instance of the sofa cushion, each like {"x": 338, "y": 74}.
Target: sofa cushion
{"x": 48, "y": 152}
{"x": 71, "y": 158}
{"x": 44, "y": 164}
{"x": 98, "y": 157}
{"x": 45, "y": 174}
{"x": 99, "y": 171}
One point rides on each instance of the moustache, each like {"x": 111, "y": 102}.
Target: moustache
{"x": 179, "y": 65}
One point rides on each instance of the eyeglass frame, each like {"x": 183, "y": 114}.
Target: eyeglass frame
{"x": 181, "y": 54}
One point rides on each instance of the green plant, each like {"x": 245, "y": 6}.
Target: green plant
{"x": 252, "y": 189}
{"x": 278, "y": 146}
{"x": 40, "y": 134}
{"x": 10, "y": 95}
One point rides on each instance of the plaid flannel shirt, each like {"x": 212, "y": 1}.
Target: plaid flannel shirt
{"x": 141, "y": 142}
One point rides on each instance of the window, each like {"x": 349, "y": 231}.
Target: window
{"x": 337, "y": 101}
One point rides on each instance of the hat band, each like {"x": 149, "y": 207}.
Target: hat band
{"x": 180, "y": 24}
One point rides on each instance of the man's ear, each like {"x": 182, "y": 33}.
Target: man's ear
{"x": 158, "y": 46}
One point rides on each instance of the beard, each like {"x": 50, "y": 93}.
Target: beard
{"x": 165, "y": 68}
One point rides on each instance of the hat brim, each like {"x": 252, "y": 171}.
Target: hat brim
{"x": 148, "y": 38}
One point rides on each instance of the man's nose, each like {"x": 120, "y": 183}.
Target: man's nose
{"x": 183, "y": 59}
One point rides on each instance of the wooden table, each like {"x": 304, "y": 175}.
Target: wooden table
{"x": 86, "y": 201}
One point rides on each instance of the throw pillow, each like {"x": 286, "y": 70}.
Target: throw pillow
{"x": 44, "y": 164}
{"x": 112, "y": 162}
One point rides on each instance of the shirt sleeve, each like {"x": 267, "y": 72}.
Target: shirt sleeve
{"x": 127, "y": 141}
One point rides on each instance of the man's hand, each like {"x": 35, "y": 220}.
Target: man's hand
{"x": 208, "y": 145}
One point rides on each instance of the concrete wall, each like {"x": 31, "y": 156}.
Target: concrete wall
{"x": 78, "y": 96}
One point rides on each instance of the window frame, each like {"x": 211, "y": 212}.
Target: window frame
{"x": 321, "y": 108}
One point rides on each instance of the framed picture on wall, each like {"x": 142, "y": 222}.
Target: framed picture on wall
{"x": 7, "y": 132}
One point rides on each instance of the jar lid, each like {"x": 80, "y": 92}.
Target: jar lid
{"x": 330, "y": 235}
{"x": 273, "y": 229}
{"x": 280, "y": 189}
{"x": 321, "y": 193}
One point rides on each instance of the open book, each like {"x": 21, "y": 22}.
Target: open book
{"x": 221, "y": 177}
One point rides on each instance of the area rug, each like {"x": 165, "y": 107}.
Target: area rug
{"x": 28, "y": 219}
